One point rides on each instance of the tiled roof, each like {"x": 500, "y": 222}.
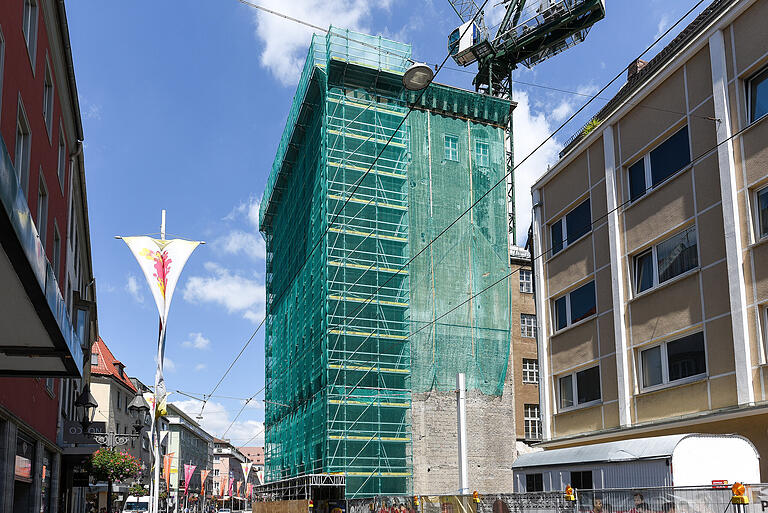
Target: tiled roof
{"x": 639, "y": 79}
{"x": 108, "y": 364}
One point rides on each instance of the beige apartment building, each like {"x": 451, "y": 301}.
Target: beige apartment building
{"x": 653, "y": 286}
{"x": 524, "y": 350}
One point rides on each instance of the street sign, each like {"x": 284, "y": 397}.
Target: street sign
{"x": 80, "y": 479}
{"x": 73, "y": 432}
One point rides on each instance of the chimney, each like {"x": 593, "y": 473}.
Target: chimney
{"x": 634, "y": 68}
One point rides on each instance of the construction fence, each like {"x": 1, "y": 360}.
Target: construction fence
{"x": 634, "y": 500}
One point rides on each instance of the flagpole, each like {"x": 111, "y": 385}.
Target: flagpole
{"x": 156, "y": 441}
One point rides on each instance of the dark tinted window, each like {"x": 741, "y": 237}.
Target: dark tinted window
{"x": 637, "y": 179}
{"x": 583, "y": 302}
{"x": 578, "y": 222}
{"x": 762, "y": 209}
{"x": 557, "y": 237}
{"x": 644, "y": 271}
{"x": 686, "y": 357}
{"x": 758, "y": 95}
{"x": 588, "y": 385}
{"x": 670, "y": 156}
{"x": 582, "y": 480}
{"x": 677, "y": 254}
{"x": 561, "y": 314}
{"x": 534, "y": 483}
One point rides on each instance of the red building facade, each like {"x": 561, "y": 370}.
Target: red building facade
{"x": 48, "y": 318}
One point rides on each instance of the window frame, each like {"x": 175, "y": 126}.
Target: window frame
{"x": 524, "y": 325}
{"x": 534, "y": 477}
{"x": 567, "y": 297}
{"x": 653, "y": 250}
{"x": 448, "y": 151}
{"x": 575, "y": 390}
{"x": 23, "y": 151}
{"x": 534, "y": 421}
{"x": 526, "y": 285}
{"x": 56, "y": 251}
{"x": 482, "y": 159}
{"x": 665, "y": 382}
{"x": 41, "y": 220}
{"x": 2, "y": 67}
{"x": 649, "y": 186}
{"x": 30, "y": 32}
{"x": 759, "y": 236}
{"x": 760, "y": 74}
{"x": 563, "y": 220}
{"x": 530, "y": 368}
{"x": 49, "y": 99}
{"x": 61, "y": 165}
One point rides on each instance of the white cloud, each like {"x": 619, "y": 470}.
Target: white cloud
{"x": 248, "y": 209}
{"x": 197, "y": 340}
{"x": 200, "y": 367}
{"x": 239, "y": 242}
{"x": 285, "y": 42}
{"x": 133, "y": 289}
{"x": 236, "y": 292}
{"x": 530, "y": 128}
{"x": 664, "y": 24}
{"x": 216, "y": 419}
{"x": 168, "y": 364}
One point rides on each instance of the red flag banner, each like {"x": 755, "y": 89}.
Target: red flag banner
{"x": 189, "y": 470}
{"x": 223, "y": 486}
{"x": 167, "y": 461}
{"x": 203, "y": 477}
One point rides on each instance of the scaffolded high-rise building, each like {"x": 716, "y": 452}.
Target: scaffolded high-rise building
{"x": 367, "y": 322}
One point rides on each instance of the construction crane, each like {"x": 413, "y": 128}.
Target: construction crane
{"x": 548, "y": 29}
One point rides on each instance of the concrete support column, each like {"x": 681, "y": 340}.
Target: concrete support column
{"x": 37, "y": 476}
{"x": 55, "y": 490}
{"x": 540, "y": 253}
{"x": 617, "y": 281}
{"x": 732, "y": 222}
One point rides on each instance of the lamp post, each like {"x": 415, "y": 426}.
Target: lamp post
{"x": 138, "y": 409}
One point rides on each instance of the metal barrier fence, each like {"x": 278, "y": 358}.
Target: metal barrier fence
{"x": 629, "y": 500}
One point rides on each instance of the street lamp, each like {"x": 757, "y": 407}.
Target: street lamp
{"x": 87, "y": 404}
{"x": 139, "y": 409}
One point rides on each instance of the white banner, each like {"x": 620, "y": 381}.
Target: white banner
{"x": 246, "y": 469}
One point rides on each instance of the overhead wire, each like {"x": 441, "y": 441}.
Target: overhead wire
{"x": 349, "y": 196}
{"x": 361, "y": 306}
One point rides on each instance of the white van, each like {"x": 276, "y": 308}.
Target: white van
{"x": 135, "y": 504}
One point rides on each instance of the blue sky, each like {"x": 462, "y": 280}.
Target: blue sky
{"x": 183, "y": 104}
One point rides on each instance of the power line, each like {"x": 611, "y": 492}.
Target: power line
{"x": 360, "y": 308}
{"x": 349, "y": 197}
{"x": 504, "y": 178}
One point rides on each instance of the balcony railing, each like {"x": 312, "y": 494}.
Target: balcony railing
{"x": 14, "y": 202}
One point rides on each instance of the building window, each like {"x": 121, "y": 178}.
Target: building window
{"x": 526, "y": 281}
{"x": 659, "y": 164}
{"x": 575, "y": 306}
{"x": 530, "y": 371}
{"x": 94, "y": 359}
{"x": 22, "y": 150}
{"x": 215, "y": 472}
{"x": 48, "y": 98}
{"x": 42, "y": 209}
{"x": 45, "y": 482}
{"x": 29, "y": 28}
{"x": 532, "y": 422}
{"x": 669, "y": 258}
{"x": 451, "y": 148}
{"x": 62, "y": 167}
{"x": 761, "y": 214}
{"x": 49, "y": 384}
{"x": 56, "y": 260}
{"x": 118, "y": 401}
{"x": 568, "y": 229}
{"x": 580, "y": 388}
{"x": 757, "y": 93}
{"x": 528, "y": 325}
{"x": 534, "y": 482}
{"x": 581, "y": 480}
{"x": 482, "y": 153}
{"x": 672, "y": 361}
{"x": 24, "y": 474}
